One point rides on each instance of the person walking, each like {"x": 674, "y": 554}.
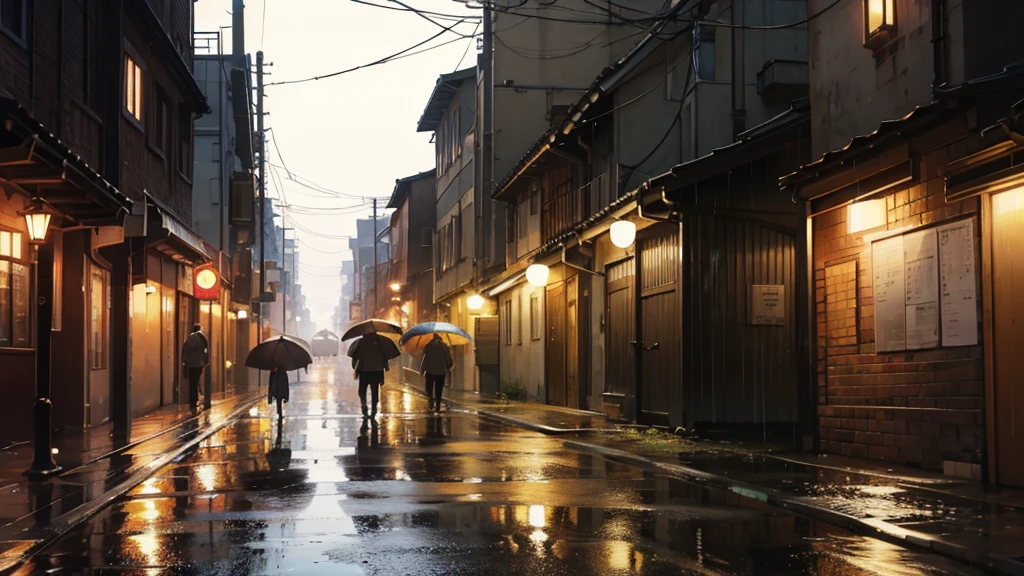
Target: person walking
{"x": 278, "y": 389}
{"x": 195, "y": 356}
{"x": 437, "y": 362}
{"x": 369, "y": 362}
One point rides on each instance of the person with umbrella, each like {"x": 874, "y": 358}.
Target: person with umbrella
{"x": 437, "y": 362}
{"x": 195, "y": 355}
{"x": 370, "y": 355}
{"x": 278, "y": 389}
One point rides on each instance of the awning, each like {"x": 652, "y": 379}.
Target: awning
{"x": 507, "y": 284}
{"x": 35, "y": 163}
{"x": 172, "y": 237}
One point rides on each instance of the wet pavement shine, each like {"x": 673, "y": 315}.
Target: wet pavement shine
{"x": 325, "y": 492}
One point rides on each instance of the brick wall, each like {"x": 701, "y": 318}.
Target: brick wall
{"x": 916, "y": 407}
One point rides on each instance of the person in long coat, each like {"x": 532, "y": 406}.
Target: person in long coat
{"x": 278, "y": 389}
{"x": 369, "y": 362}
{"x": 437, "y": 362}
{"x": 195, "y": 356}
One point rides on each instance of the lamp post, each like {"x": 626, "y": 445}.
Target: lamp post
{"x": 37, "y": 219}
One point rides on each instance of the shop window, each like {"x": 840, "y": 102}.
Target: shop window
{"x": 15, "y": 287}
{"x": 506, "y": 322}
{"x": 99, "y": 310}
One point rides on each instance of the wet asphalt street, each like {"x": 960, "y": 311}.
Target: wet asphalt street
{"x": 326, "y": 493}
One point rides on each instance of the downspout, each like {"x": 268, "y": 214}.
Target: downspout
{"x": 739, "y": 106}
{"x": 939, "y": 79}
{"x": 60, "y": 75}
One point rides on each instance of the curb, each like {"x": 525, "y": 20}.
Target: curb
{"x": 867, "y": 527}
{"x": 65, "y": 522}
{"x": 549, "y": 430}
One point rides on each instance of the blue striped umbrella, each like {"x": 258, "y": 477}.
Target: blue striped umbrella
{"x": 420, "y": 335}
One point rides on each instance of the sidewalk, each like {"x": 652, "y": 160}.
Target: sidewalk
{"x": 964, "y": 520}
{"x": 97, "y": 469}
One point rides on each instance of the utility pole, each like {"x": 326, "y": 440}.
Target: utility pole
{"x": 374, "y": 257}
{"x": 263, "y": 193}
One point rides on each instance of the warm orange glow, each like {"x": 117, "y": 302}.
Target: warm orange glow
{"x": 865, "y": 215}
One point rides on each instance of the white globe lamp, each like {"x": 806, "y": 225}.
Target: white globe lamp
{"x": 537, "y": 275}
{"x": 623, "y": 233}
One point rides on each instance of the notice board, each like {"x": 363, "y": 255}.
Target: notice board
{"x": 924, "y": 287}
{"x": 887, "y": 279}
{"x": 958, "y": 284}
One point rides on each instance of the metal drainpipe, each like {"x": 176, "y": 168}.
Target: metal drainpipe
{"x": 938, "y": 45}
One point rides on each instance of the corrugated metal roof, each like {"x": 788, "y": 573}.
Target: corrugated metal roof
{"x": 402, "y": 186}
{"x": 948, "y": 100}
{"x": 444, "y": 90}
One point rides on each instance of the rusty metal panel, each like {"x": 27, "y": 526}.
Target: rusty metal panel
{"x": 736, "y": 372}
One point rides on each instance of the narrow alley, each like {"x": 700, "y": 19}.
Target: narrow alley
{"x": 325, "y": 493}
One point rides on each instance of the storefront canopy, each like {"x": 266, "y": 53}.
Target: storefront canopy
{"x": 35, "y": 163}
{"x": 170, "y": 236}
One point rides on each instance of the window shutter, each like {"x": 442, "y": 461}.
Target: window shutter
{"x": 486, "y": 339}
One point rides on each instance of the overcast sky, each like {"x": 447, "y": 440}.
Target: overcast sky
{"x": 355, "y": 133}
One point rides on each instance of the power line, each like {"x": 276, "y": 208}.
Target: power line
{"x": 263, "y": 24}
{"x": 374, "y": 63}
{"x": 468, "y": 45}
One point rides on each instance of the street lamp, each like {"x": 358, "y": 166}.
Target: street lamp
{"x": 242, "y": 315}
{"x": 37, "y": 219}
{"x": 475, "y": 302}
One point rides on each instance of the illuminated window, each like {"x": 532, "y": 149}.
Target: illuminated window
{"x": 133, "y": 87}
{"x": 14, "y": 291}
{"x": 879, "y": 22}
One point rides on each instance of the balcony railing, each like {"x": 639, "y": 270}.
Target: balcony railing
{"x": 207, "y": 43}
{"x": 568, "y": 206}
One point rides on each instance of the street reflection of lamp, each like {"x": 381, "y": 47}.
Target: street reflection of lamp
{"x": 395, "y": 286}
{"x": 537, "y": 275}
{"x": 623, "y": 233}
{"x": 37, "y": 219}
{"x": 475, "y": 302}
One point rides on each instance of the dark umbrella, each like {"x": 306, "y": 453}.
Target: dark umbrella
{"x": 286, "y": 352}
{"x": 387, "y": 345}
{"x": 372, "y": 326}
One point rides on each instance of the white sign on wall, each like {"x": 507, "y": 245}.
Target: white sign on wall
{"x": 768, "y": 305}
{"x": 958, "y": 285}
{"x": 924, "y": 285}
{"x": 890, "y": 300}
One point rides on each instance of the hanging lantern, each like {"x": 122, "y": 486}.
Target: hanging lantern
{"x": 623, "y": 233}
{"x": 537, "y": 275}
{"x": 37, "y": 219}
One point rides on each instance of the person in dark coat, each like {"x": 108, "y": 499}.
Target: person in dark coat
{"x": 437, "y": 361}
{"x": 195, "y": 356}
{"x": 278, "y": 389}
{"x": 370, "y": 362}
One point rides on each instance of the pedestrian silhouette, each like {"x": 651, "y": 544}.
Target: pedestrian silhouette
{"x": 278, "y": 389}
{"x": 195, "y": 356}
{"x": 370, "y": 361}
{"x": 437, "y": 362}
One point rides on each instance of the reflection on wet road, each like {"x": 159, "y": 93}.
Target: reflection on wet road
{"x": 326, "y": 493}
